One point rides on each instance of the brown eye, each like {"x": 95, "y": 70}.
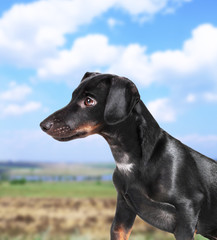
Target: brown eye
{"x": 89, "y": 102}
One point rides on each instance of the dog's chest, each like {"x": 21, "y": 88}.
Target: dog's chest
{"x": 123, "y": 160}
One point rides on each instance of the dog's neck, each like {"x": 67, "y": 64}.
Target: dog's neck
{"x": 124, "y": 144}
{"x": 133, "y": 140}
{"x": 149, "y": 130}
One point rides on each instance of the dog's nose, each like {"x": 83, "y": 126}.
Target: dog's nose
{"x": 46, "y": 125}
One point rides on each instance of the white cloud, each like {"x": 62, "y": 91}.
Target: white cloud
{"x": 14, "y": 101}
{"x": 197, "y": 58}
{"x": 143, "y": 10}
{"x": 143, "y": 7}
{"x": 133, "y": 63}
{"x": 19, "y": 109}
{"x": 162, "y": 110}
{"x": 112, "y": 22}
{"x": 93, "y": 52}
{"x": 30, "y": 33}
{"x": 210, "y": 97}
{"x": 15, "y": 93}
{"x": 191, "y": 98}
{"x": 90, "y": 52}
{"x": 198, "y": 55}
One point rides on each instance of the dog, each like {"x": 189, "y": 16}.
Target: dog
{"x": 157, "y": 177}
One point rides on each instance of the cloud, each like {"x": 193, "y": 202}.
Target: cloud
{"x": 210, "y": 97}
{"x": 15, "y": 109}
{"x": 93, "y": 52}
{"x": 9, "y": 105}
{"x": 145, "y": 10}
{"x": 90, "y": 52}
{"x": 133, "y": 63}
{"x": 198, "y": 55}
{"x": 15, "y": 92}
{"x": 191, "y": 98}
{"x": 195, "y": 60}
{"x": 30, "y": 33}
{"x": 112, "y": 22}
{"x": 162, "y": 110}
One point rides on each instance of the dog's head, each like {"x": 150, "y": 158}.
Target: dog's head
{"x": 99, "y": 100}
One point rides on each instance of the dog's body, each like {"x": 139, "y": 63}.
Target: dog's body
{"x": 166, "y": 183}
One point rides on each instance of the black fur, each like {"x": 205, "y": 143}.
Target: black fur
{"x": 158, "y": 178}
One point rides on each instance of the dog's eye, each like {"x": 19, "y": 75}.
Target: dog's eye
{"x": 89, "y": 102}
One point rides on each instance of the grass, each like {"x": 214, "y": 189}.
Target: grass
{"x": 58, "y": 189}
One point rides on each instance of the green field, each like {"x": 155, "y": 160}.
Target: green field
{"x": 58, "y": 189}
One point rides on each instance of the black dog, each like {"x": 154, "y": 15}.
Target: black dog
{"x": 166, "y": 183}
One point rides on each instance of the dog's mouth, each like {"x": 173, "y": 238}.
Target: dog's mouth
{"x": 65, "y": 133}
{"x": 72, "y": 137}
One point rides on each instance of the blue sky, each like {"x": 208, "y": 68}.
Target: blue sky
{"x": 167, "y": 47}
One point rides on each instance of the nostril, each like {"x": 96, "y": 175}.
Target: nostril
{"x": 46, "y": 125}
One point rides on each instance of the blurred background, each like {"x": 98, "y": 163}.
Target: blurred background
{"x": 168, "y": 48}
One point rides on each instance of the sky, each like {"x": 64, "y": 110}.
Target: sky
{"x": 168, "y": 48}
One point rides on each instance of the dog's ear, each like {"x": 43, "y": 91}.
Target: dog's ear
{"x": 122, "y": 97}
{"x": 89, "y": 74}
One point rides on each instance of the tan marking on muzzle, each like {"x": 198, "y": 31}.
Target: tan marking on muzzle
{"x": 90, "y": 129}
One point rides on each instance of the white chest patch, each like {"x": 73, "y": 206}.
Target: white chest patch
{"x": 125, "y": 167}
